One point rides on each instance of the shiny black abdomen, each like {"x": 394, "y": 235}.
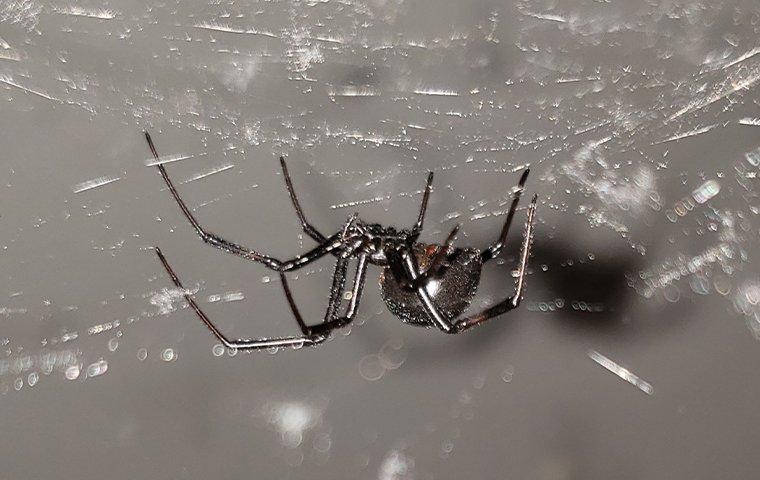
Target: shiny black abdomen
{"x": 451, "y": 292}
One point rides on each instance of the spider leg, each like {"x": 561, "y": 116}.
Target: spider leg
{"x": 436, "y": 263}
{"x": 425, "y": 196}
{"x": 327, "y": 245}
{"x": 396, "y": 264}
{"x": 307, "y": 227}
{"x": 494, "y": 250}
{"x": 408, "y": 263}
{"x": 411, "y": 269}
{"x": 333, "y": 321}
{"x": 513, "y": 301}
{"x": 240, "y": 344}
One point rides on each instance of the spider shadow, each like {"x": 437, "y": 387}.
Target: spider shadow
{"x": 595, "y": 297}
{"x": 591, "y": 294}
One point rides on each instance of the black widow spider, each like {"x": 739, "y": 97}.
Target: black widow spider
{"x": 432, "y": 297}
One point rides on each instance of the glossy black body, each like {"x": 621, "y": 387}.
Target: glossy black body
{"x": 452, "y": 289}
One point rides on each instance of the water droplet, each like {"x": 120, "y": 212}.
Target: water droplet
{"x": 72, "y": 373}
{"x": 294, "y": 458}
{"x": 292, "y": 438}
{"x": 447, "y": 446}
{"x": 508, "y": 374}
{"x": 672, "y": 294}
{"x": 371, "y": 368}
{"x": 168, "y": 355}
{"x": 700, "y": 284}
{"x": 322, "y": 443}
{"x": 98, "y": 368}
{"x": 218, "y": 350}
{"x": 479, "y": 382}
{"x": 142, "y": 354}
{"x": 32, "y": 379}
{"x": 113, "y": 344}
{"x": 393, "y": 354}
{"x": 707, "y": 191}
{"x": 722, "y": 284}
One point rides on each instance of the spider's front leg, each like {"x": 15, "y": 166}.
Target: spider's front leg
{"x": 307, "y": 227}
{"x": 327, "y": 246}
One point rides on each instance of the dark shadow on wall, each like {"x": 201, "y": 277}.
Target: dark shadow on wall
{"x": 596, "y": 301}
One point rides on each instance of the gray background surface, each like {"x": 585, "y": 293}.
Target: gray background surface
{"x": 638, "y": 119}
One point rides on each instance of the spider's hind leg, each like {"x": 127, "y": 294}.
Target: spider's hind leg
{"x": 333, "y": 319}
{"x": 448, "y": 325}
{"x": 494, "y": 250}
{"x": 423, "y": 207}
{"x": 513, "y": 301}
{"x": 241, "y": 344}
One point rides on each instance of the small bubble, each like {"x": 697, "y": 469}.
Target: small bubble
{"x": 508, "y": 374}
{"x": 371, "y": 368}
{"x": 265, "y": 279}
{"x": 294, "y": 458}
{"x": 113, "y": 344}
{"x": 218, "y": 350}
{"x": 17, "y": 384}
{"x": 707, "y": 191}
{"x": 292, "y": 438}
{"x": 447, "y": 447}
{"x": 47, "y": 367}
{"x": 348, "y": 295}
{"x": 322, "y": 443}
{"x": 72, "y": 373}
{"x": 168, "y": 355}
{"x": 142, "y": 354}
{"x": 393, "y": 354}
{"x": 32, "y": 379}
{"x": 98, "y": 368}
{"x": 722, "y": 284}
{"x": 672, "y": 294}
{"x": 700, "y": 284}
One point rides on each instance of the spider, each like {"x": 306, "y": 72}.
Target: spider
{"x": 423, "y": 284}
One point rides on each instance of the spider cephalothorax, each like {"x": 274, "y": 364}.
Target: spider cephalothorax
{"x": 423, "y": 284}
{"x": 380, "y": 242}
